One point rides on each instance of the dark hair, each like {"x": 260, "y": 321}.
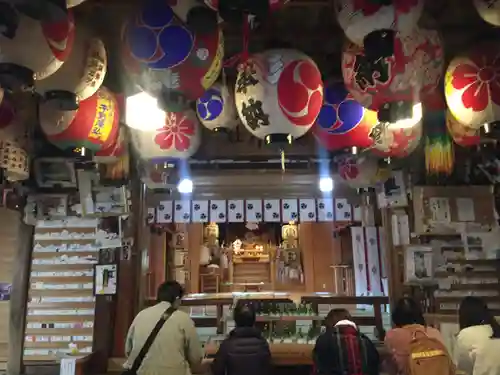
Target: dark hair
{"x": 244, "y": 315}
{"x": 407, "y": 312}
{"x": 169, "y": 291}
{"x": 336, "y": 315}
{"x": 474, "y": 311}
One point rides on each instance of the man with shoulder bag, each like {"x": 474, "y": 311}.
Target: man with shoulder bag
{"x": 163, "y": 340}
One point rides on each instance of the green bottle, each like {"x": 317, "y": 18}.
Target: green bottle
{"x": 310, "y": 310}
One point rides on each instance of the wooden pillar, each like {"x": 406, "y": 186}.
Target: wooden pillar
{"x": 142, "y": 248}
{"x": 19, "y": 297}
{"x": 306, "y": 244}
{"x": 195, "y": 241}
{"x": 391, "y": 260}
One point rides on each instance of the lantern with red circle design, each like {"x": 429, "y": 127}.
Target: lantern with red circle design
{"x": 279, "y": 94}
{"x": 489, "y": 10}
{"x": 462, "y": 134}
{"x": 178, "y": 138}
{"x": 80, "y": 77}
{"x": 30, "y": 49}
{"x": 392, "y": 85}
{"x": 472, "y": 86}
{"x": 342, "y": 121}
{"x": 14, "y": 139}
{"x": 361, "y": 171}
{"x": 374, "y": 24}
{"x": 94, "y": 125}
{"x": 168, "y": 60}
{"x": 392, "y": 140}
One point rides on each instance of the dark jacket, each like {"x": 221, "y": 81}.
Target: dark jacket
{"x": 244, "y": 352}
{"x": 342, "y": 350}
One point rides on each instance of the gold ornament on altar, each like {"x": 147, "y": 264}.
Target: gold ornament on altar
{"x": 211, "y": 234}
{"x": 290, "y": 235}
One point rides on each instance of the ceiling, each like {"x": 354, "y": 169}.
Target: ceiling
{"x": 307, "y": 25}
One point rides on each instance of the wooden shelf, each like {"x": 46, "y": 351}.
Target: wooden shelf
{"x": 70, "y": 306}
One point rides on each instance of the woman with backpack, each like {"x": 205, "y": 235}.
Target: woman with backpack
{"x": 478, "y": 343}
{"x": 414, "y": 348}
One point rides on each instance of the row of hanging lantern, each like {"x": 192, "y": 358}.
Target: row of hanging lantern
{"x": 64, "y": 65}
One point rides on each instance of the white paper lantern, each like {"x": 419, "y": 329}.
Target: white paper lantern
{"x": 362, "y": 17}
{"x": 84, "y": 72}
{"x": 396, "y": 141}
{"x": 179, "y": 138}
{"x": 216, "y": 109}
{"x": 73, "y": 3}
{"x": 279, "y": 95}
{"x": 30, "y": 49}
{"x": 489, "y": 10}
{"x": 472, "y": 86}
{"x": 361, "y": 171}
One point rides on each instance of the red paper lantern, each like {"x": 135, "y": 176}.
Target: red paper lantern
{"x": 394, "y": 141}
{"x": 94, "y": 125}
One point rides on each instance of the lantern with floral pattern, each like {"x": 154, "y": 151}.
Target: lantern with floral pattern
{"x": 166, "y": 59}
{"x": 216, "y": 109}
{"x": 489, "y": 10}
{"x": 94, "y": 125}
{"x": 80, "y": 77}
{"x": 394, "y": 80}
{"x": 342, "y": 121}
{"x": 30, "y": 49}
{"x": 462, "y": 134}
{"x": 279, "y": 95}
{"x": 392, "y": 140}
{"x": 472, "y": 86}
{"x": 362, "y": 19}
{"x": 361, "y": 171}
{"x": 179, "y": 138}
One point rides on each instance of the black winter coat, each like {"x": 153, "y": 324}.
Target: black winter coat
{"x": 244, "y": 352}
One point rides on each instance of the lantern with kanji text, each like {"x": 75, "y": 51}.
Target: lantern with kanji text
{"x": 80, "y": 77}
{"x": 394, "y": 140}
{"x": 279, "y": 94}
{"x": 94, "y": 125}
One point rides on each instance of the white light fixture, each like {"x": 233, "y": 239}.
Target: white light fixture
{"x": 185, "y": 186}
{"x": 142, "y": 112}
{"x": 354, "y": 150}
{"x": 326, "y": 184}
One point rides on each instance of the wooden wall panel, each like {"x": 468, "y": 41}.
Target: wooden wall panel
{"x": 9, "y": 235}
{"x": 157, "y": 262}
{"x": 306, "y": 243}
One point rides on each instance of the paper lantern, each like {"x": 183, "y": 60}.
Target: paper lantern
{"x": 179, "y": 138}
{"x": 94, "y": 125}
{"x": 361, "y": 171}
{"x": 489, "y": 10}
{"x": 392, "y": 140}
{"x": 342, "y": 121}
{"x": 81, "y": 76}
{"x": 115, "y": 151}
{"x": 168, "y": 61}
{"x": 73, "y": 3}
{"x": 390, "y": 80}
{"x": 216, "y": 109}
{"x": 362, "y": 18}
{"x": 14, "y": 140}
{"x": 472, "y": 86}
{"x": 30, "y": 49}
{"x": 431, "y": 54}
{"x": 279, "y": 95}
{"x": 462, "y": 134}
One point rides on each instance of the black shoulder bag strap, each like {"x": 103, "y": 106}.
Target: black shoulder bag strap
{"x": 149, "y": 341}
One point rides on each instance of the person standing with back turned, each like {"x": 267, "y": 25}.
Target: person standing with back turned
{"x": 176, "y": 348}
{"x": 478, "y": 343}
{"x": 245, "y": 351}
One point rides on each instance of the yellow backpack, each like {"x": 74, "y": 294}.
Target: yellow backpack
{"x": 428, "y": 356}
